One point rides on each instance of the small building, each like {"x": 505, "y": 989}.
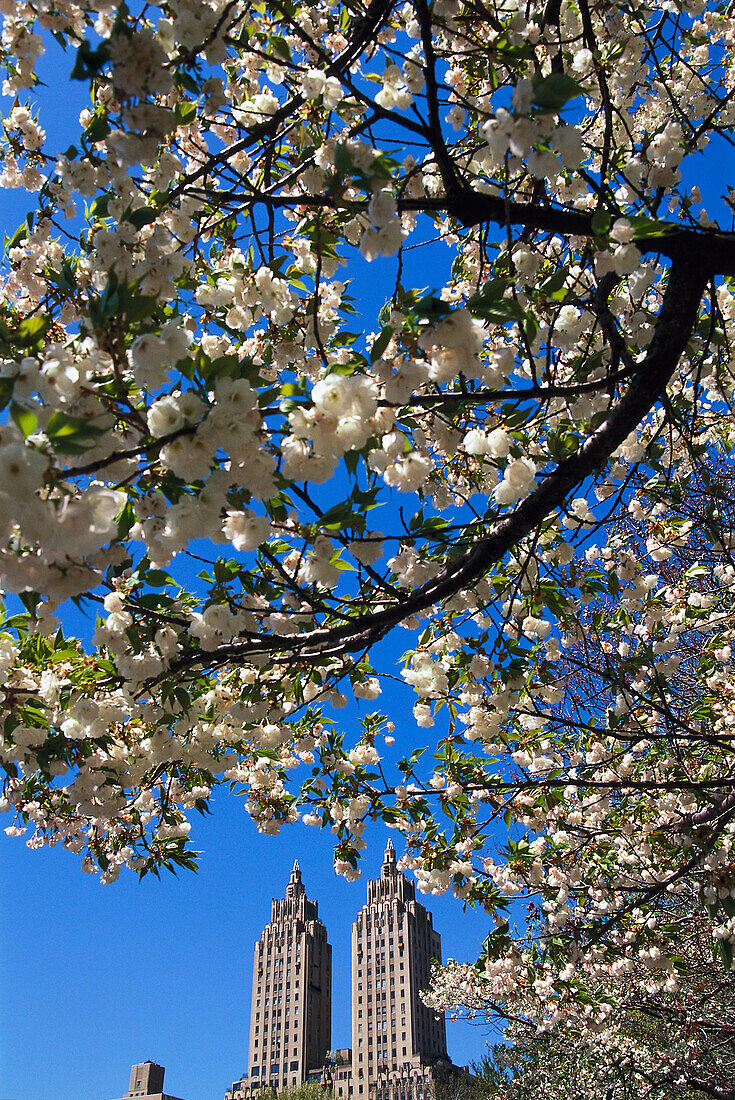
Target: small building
{"x": 146, "y": 1079}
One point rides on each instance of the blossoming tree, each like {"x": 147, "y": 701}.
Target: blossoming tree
{"x": 653, "y": 1044}
{"x": 200, "y": 427}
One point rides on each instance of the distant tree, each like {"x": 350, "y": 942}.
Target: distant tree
{"x": 474, "y": 1085}
{"x": 310, "y": 1090}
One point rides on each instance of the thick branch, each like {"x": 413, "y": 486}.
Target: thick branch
{"x": 714, "y": 249}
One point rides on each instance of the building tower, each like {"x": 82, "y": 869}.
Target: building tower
{"x": 395, "y": 1037}
{"x": 146, "y": 1079}
{"x": 291, "y": 1010}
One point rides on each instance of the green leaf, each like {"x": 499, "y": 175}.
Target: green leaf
{"x": 554, "y": 287}
{"x": 185, "y": 112}
{"x": 185, "y": 81}
{"x": 725, "y": 948}
{"x": 126, "y": 520}
{"x": 99, "y": 207}
{"x": 342, "y": 566}
{"x": 24, "y": 418}
{"x": 62, "y": 427}
{"x": 142, "y": 216}
{"x": 27, "y": 335}
{"x": 342, "y": 159}
{"x": 381, "y": 343}
{"x": 20, "y": 235}
{"x": 431, "y": 308}
{"x": 550, "y": 93}
{"x": 139, "y": 306}
{"x": 97, "y": 129}
{"x": 644, "y": 228}
{"x": 563, "y": 443}
{"x": 182, "y": 698}
{"x": 31, "y": 329}
{"x": 601, "y": 222}
{"x": 89, "y": 62}
{"x": 489, "y": 302}
{"x": 157, "y": 578}
{"x": 6, "y": 391}
{"x": 280, "y": 46}
{"x": 491, "y": 291}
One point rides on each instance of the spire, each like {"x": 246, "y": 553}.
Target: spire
{"x": 389, "y": 855}
{"x": 295, "y": 886}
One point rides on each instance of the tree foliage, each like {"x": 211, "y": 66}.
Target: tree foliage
{"x": 310, "y": 1090}
{"x": 522, "y": 470}
{"x": 653, "y": 1044}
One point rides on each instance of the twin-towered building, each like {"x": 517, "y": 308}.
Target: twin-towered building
{"x": 399, "y": 1046}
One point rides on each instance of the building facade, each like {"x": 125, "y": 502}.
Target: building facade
{"x": 291, "y": 1008}
{"x": 393, "y": 944}
{"x": 399, "y": 1046}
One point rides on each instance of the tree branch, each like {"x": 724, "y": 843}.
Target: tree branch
{"x": 678, "y": 314}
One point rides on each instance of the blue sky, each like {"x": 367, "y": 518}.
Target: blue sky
{"x": 95, "y": 978}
